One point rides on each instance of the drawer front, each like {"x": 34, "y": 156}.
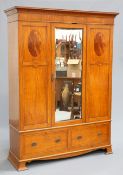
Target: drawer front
{"x": 88, "y": 136}
{"x": 44, "y": 143}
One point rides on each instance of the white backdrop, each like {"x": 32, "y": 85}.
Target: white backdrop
{"x": 101, "y": 165}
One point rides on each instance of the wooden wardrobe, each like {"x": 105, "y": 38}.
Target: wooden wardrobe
{"x": 60, "y": 83}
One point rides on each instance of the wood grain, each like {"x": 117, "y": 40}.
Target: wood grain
{"x": 13, "y": 66}
{"x": 84, "y": 137}
{"x": 98, "y": 92}
{"x": 99, "y": 49}
{"x": 35, "y": 78}
{"x": 44, "y": 143}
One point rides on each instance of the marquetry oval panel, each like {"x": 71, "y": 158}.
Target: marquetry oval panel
{"x": 35, "y": 44}
{"x": 99, "y": 44}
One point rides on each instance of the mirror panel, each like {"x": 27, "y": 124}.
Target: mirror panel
{"x": 68, "y": 78}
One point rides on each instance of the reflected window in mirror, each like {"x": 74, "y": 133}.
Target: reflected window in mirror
{"x": 68, "y": 70}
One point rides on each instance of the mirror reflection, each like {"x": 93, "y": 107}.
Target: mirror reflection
{"x": 68, "y": 82}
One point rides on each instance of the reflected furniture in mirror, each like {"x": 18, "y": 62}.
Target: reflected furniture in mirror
{"x": 60, "y": 74}
{"x": 68, "y": 75}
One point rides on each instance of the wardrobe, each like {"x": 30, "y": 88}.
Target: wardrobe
{"x": 60, "y": 83}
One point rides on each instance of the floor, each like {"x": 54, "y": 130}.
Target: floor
{"x": 96, "y": 163}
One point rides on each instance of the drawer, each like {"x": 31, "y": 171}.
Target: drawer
{"x": 43, "y": 143}
{"x": 87, "y": 136}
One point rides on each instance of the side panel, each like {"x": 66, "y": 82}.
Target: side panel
{"x": 13, "y": 74}
{"x": 15, "y": 142}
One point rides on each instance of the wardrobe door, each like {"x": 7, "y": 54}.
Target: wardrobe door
{"x": 98, "y": 79}
{"x": 35, "y": 70}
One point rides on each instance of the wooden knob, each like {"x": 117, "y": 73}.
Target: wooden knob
{"x": 79, "y": 137}
{"x": 99, "y": 133}
{"x": 58, "y": 140}
{"x": 34, "y": 144}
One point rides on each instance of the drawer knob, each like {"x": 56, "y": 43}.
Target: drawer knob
{"x": 99, "y": 133}
{"x": 79, "y": 137}
{"x": 34, "y": 144}
{"x": 58, "y": 140}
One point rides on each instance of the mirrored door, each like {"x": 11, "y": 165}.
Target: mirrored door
{"x": 68, "y": 74}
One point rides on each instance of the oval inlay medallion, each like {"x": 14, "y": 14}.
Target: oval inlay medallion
{"x": 34, "y": 43}
{"x": 99, "y": 44}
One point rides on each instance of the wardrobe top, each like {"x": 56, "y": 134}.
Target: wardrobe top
{"x": 18, "y": 9}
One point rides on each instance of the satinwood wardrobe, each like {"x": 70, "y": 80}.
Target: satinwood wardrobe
{"x": 60, "y": 83}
